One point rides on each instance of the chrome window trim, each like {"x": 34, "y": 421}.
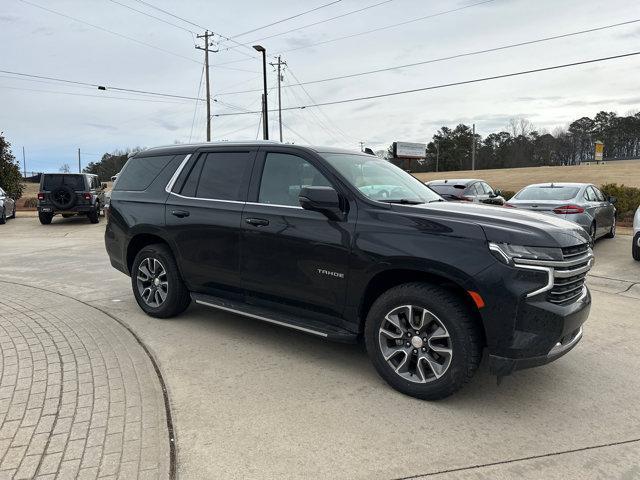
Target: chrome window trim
{"x": 275, "y": 205}
{"x": 208, "y": 199}
{"x": 173, "y": 179}
{"x": 559, "y": 347}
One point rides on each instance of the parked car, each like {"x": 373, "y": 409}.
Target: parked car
{"x": 7, "y": 207}
{"x": 466, "y": 190}
{"x": 635, "y": 249}
{"x": 296, "y": 237}
{"x": 70, "y": 194}
{"x": 581, "y": 203}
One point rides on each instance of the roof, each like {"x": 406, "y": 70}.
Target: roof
{"x": 191, "y": 147}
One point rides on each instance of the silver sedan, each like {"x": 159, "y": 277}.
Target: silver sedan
{"x": 581, "y": 203}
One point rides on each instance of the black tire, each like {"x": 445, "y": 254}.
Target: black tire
{"x": 177, "y": 297}
{"x": 635, "y": 249}
{"x": 3, "y": 217}
{"x": 45, "y": 218}
{"x": 13, "y": 215}
{"x": 466, "y": 339}
{"x": 593, "y": 232}
{"x": 94, "y": 215}
{"x": 612, "y": 232}
{"x": 63, "y": 197}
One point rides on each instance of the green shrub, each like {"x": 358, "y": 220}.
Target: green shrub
{"x": 628, "y": 198}
{"x": 507, "y": 194}
{"x": 30, "y": 202}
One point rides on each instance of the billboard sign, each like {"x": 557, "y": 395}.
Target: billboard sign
{"x": 409, "y": 150}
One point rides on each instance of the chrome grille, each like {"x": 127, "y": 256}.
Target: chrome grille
{"x": 566, "y": 276}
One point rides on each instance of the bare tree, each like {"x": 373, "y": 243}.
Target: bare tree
{"x": 65, "y": 168}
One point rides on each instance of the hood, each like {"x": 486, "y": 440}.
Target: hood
{"x": 506, "y": 225}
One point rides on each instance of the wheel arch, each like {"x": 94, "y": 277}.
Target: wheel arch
{"x": 392, "y": 277}
{"x": 141, "y": 240}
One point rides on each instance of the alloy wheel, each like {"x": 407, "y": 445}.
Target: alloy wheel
{"x": 152, "y": 282}
{"x": 415, "y": 344}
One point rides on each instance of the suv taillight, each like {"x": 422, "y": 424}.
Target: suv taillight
{"x": 86, "y": 196}
{"x": 40, "y": 195}
{"x": 568, "y": 209}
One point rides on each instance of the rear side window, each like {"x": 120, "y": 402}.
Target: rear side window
{"x": 448, "y": 190}
{"x": 51, "y": 182}
{"x": 140, "y": 172}
{"x": 224, "y": 176}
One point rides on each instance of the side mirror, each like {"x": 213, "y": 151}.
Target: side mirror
{"x": 497, "y": 192}
{"x": 613, "y": 200}
{"x": 104, "y": 185}
{"x": 321, "y": 199}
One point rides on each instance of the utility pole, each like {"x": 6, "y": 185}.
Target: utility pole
{"x": 473, "y": 148}
{"x": 279, "y": 65}
{"x": 206, "y": 36}
{"x": 79, "y": 162}
{"x": 437, "y": 155}
{"x": 265, "y": 104}
{"x": 24, "y": 163}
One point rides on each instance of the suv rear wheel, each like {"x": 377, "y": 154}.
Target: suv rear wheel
{"x": 635, "y": 249}
{"x": 45, "y": 218}
{"x": 3, "y": 216}
{"x": 94, "y": 215}
{"x": 157, "y": 284}
{"x": 423, "y": 340}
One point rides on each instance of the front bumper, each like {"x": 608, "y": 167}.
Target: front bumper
{"x": 524, "y": 332}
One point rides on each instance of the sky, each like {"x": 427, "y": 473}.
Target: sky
{"x": 118, "y": 43}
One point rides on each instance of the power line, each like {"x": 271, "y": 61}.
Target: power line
{"x": 100, "y": 87}
{"x": 153, "y": 16}
{"x": 406, "y": 22}
{"x": 450, "y": 57}
{"x": 166, "y": 12}
{"x": 98, "y": 27}
{"x": 89, "y": 95}
{"x": 464, "y": 82}
{"x": 352, "y": 12}
{"x": 286, "y": 19}
{"x": 195, "y": 109}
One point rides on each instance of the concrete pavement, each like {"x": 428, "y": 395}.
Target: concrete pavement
{"x": 250, "y": 400}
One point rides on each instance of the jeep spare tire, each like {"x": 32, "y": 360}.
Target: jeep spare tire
{"x": 63, "y": 197}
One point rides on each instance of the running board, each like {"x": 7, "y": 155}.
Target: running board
{"x": 301, "y": 324}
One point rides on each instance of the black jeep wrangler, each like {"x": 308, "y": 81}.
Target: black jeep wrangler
{"x": 70, "y": 194}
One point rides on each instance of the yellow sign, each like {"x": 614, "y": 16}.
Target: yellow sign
{"x": 599, "y": 151}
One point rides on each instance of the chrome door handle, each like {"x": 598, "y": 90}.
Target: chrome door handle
{"x": 180, "y": 213}
{"x": 257, "y": 222}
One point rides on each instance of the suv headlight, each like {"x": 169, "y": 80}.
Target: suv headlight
{"x": 506, "y": 252}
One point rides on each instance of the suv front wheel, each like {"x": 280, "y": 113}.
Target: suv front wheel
{"x": 157, "y": 284}
{"x": 423, "y": 340}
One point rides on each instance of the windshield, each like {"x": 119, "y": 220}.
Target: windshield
{"x": 76, "y": 182}
{"x": 380, "y": 180}
{"x": 547, "y": 193}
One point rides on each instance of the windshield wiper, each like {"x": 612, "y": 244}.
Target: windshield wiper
{"x": 438, "y": 200}
{"x": 403, "y": 201}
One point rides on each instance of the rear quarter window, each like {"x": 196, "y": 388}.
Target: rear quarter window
{"x": 53, "y": 181}
{"x": 140, "y": 172}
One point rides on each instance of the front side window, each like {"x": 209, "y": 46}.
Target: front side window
{"x": 599, "y": 195}
{"x": 284, "y": 176}
{"x": 225, "y": 176}
{"x": 140, "y": 172}
{"x": 380, "y": 180}
{"x": 589, "y": 195}
{"x": 487, "y": 189}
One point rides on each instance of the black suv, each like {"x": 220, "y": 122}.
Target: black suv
{"x": 346, "y": 246}
{"x": 70, "y": 194}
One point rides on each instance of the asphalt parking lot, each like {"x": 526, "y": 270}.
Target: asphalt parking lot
{"x": 250, "y": 400}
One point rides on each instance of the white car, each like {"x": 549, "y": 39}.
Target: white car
{"x": 635, "y": 249}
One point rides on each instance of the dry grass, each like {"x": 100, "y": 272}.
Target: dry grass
{"x": 625, "y": 172}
